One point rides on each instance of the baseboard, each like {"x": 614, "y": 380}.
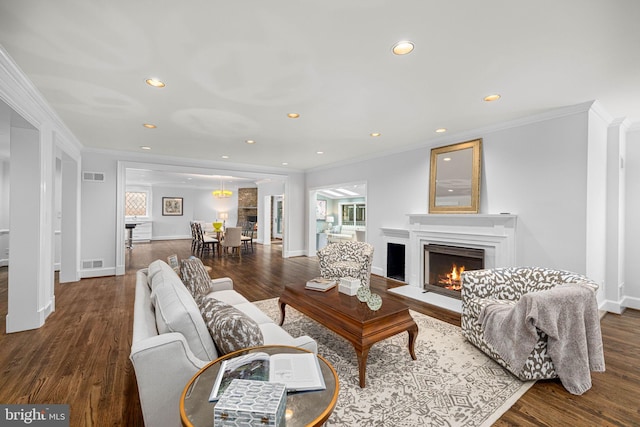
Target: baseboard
{"x": 4, "y": 262}
{"x": 291, "y": 254}
{"x": 98, "y": 272}
{"x": 631, "y": 302}
{"x": 612, "y": 307}
{"x": 377, "y": 271}
{"x": 173, "y": 237}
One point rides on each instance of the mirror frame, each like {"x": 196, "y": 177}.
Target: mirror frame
{"x": 476, "y": 146}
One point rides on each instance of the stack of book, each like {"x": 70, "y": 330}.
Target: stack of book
{"x": 321, "y": 284}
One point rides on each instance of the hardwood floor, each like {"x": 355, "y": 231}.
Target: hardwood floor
{"x": 80, "y": 355}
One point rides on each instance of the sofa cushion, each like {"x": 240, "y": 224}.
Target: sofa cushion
{"x": 230, "y": 329}
{"x": 176, "y": 311}
{"x": 195, "y": 277}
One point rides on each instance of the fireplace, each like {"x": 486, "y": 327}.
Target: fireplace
{"x": 443, "y": 266}
{"x": 395, "y": 261}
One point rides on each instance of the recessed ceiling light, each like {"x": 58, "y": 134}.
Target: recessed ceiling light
{"x": 284, "y": 163}
{"x": 225, "y": 157}
{"x": 250, "y": 141}
{"x": 447, "y": 159}
{"x": 450, "y": 190}
{"x": 293, "y": 115}
{"x": 375, "y": 134}
{"x": 155, "y": 83}
{"x": 319, "y": 152}
{"x": 402, "y": 47}
{"x": 145, "y": 147}
{"x": 492, "y": 97}
{"x": 441, "y": 130}
{"x": 149, "y": 125}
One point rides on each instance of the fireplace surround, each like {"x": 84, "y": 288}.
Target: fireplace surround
{"x": 495, "y": 234}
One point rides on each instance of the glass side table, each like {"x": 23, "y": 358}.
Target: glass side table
{"x": 309, "y": 408}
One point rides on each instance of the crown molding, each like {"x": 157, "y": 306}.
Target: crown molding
{"x": 474, "y": 133}
{"x": 147, "y": 160}
{"x": 19, "y": 93}
{"x": 634, "y": 127}
{"x": 598, "y": 109}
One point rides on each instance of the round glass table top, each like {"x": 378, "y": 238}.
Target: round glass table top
{"x": 309, "y": 408}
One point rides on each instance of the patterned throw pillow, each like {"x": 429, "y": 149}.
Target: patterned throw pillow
{"x": 195, "y": 276}
{"x": 230, "y": 328}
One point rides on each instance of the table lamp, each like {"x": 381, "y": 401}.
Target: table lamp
{"x": 329, "y": 220}
{"x": 224, "y": 216}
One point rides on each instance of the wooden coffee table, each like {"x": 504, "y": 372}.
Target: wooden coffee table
{"x": 352, "y": 319}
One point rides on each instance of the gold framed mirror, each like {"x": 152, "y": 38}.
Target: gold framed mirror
{"x": 454, "y": 186}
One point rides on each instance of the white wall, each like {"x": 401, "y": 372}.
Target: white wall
{"x": 536, "y": 170}
{"x": 98, "y": 223}
{"x": 198, "y": 205}
{"x": 99, "y": 206}
{"x": 4, "y": 213}
{"x": 295, "y": 224}
{"x": 632, "y": 214}
{"x": 172, "y": 227}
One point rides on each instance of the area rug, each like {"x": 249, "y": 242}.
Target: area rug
{"x": 450, "y": 384}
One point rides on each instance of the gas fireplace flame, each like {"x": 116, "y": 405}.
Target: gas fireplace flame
{"x": 452, "y": 279}
{"x": 455, "y": 273}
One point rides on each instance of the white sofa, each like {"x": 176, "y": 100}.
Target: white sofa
{"x": 171, "y": 341}
{"x": 345, "y": 233}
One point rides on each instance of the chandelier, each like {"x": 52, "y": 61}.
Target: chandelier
{"x": 221, "y": 193}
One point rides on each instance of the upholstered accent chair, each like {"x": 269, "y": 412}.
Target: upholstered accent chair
{"x": 507, "y": 286}
{"x": 346, "y": 259}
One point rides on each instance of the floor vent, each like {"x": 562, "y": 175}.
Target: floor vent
{"x": 93, "y": 176}
{"x": 91, "y": 263}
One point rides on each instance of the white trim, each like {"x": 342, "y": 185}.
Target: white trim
{"x": 183, "y": 237}
{"x": 98, "y": 272}
{"x": 24, "y": 98}
{"x": 631, "y": 302}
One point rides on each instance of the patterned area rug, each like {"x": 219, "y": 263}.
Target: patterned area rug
{"x": 451, "y": 384}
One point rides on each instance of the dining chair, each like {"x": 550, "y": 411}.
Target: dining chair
{"x": 194, "y": 237}
{"x": 205, "y": 243}
{"x": 233, "y": 240}
{"x": 247, "y": 235}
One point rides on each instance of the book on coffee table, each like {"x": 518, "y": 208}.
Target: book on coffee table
{"x": 298, "y": 372}
{"x": 321, "y": 284}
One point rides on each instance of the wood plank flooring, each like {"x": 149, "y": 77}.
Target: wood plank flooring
{"x": 80, "y": 355}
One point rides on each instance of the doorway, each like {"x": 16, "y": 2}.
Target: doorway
{"x": 337, "y": 213}
{"x": 277, "y": 218}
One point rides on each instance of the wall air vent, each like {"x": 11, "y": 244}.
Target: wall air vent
{"x": 93, "y": 176}
{"x": 88, "y": 264}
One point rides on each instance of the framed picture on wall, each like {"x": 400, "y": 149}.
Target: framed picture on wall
{"x": 321, "y": 209}
{"x": 172, "y": 206}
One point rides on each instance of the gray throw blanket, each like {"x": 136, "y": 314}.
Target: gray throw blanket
{"x": 568, "y": 314}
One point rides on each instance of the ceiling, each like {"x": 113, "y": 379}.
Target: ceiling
{"x": 234, "y": 70}
{"x": 344, "y": 191}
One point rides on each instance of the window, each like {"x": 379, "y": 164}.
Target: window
{"x": 136, "y": 203}
{"x": 353, "y": 214}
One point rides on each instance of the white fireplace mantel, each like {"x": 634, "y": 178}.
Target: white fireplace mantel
{"x": 495, "y": 233}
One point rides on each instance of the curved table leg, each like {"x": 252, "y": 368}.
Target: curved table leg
{"x": 413, "y": 334}
{"x": 282, "y": 305}
{"x": 362, "y": 365}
